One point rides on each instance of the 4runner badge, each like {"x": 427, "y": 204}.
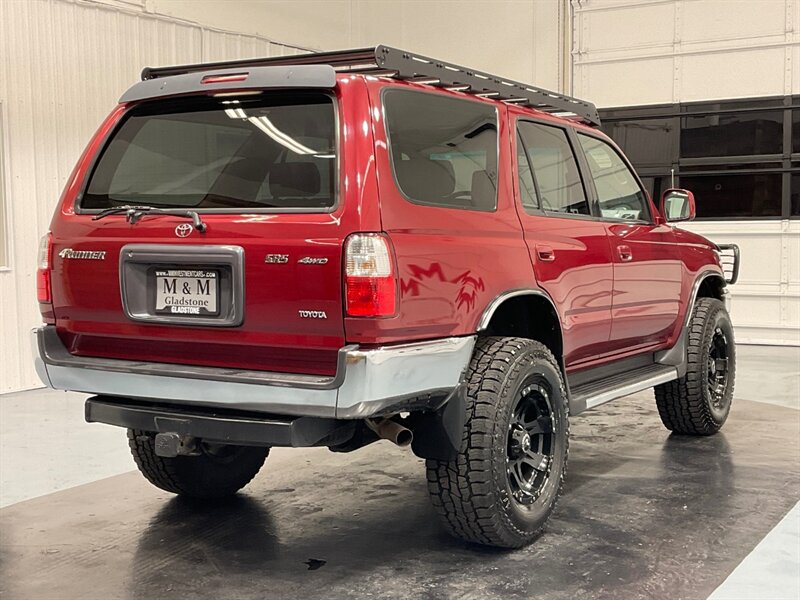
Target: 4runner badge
{"x": 83, "y": 254}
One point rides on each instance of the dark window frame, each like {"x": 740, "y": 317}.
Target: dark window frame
{"x": 402, "y": 89}
{"x": 720, "y": 165}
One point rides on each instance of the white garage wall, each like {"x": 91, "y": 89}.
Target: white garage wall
{"x": 64, "y": 64}
{"x": 637, "y": 52}
{"x": 515, "y": 38}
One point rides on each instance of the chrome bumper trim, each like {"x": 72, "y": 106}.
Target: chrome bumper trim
{"x": 366, "y": 381}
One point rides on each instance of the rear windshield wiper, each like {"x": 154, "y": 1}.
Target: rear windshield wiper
{"x": 115, "y": 210}
{"x": 133, "y": 214}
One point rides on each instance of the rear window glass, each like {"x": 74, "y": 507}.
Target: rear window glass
{"x": 272, "y": 152}
{"x": 444, "y": 150}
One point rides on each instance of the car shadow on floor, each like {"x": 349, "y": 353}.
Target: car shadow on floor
{"x": 643, "y": 514}
{"x": 615, "y": 506}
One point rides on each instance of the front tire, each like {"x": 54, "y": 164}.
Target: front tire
{"x": 505, "y": 481}
{"x": 217, "y": 471}
{"x": 699, "y": 402}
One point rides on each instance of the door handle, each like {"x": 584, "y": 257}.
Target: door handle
{"x": 545, "y": 253}
{"x": 625, "y": 253}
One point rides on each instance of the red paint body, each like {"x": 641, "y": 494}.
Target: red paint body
{"x": 619, "y": 289}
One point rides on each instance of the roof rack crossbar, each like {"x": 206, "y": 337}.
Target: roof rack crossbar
{"x": 384, "y": 61}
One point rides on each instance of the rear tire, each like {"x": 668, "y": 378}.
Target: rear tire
{"x": 699, "y": 402}
{"x": 505, "y": 481}
{"x": 217, "y": 472}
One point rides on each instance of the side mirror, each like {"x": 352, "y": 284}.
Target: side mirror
{"x": 678, "y": 205}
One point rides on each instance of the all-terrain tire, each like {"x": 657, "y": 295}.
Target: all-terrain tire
{"x": 474, "y": 493}
{"x": 215, "y": 474}
{"x": 689, "y": 405}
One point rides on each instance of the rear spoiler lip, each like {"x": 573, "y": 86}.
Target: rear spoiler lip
{"x": 276, "y": 77}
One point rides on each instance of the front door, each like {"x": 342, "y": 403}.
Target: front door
{"x": 647, "y": 265}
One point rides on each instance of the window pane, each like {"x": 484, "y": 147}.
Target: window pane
{"x": 646, "y": 141}
{"x": 796, "y": 131}
{"x": 277, "y": 151}
{"x": 732, "y": 134}
{"x": 795, "y": 195}
{"x": 527, "y": 189}
{"x": 618, "y": 192}
{"x": 444, "y": 150}
{"x": 735, "y": 196}
{"x": 554, "y": 168}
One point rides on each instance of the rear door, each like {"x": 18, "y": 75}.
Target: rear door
{"x": 647, "y": 265}
{"x": 569, "y": 247}
{"x": 260, "y": 288}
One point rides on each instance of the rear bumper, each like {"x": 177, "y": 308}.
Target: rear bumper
{"x": 367, "y": 382}
{"x": 247, "y": 429}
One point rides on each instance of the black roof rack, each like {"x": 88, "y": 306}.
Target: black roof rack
{"x": 400, "y": 64}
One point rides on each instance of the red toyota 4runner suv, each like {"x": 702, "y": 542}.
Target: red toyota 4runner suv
{"x": 331, "y": 249}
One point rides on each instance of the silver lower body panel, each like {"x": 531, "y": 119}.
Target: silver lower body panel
{"x": 367, "y": 382}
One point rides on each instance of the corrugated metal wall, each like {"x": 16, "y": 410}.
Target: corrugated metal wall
{"x": 63, "y": 65}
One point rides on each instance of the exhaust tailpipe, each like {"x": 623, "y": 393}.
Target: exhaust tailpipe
{"x": 392, "y": 431}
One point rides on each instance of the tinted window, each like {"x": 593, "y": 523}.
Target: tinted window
{"x": 646, "y": 141}
{"x": 795, "y": 210}
{"x": 796, "y": 131}
{"x": 735, "y": 196}
{"x": 277, "y": 151}
{"x": 444, "y": 150}
{"x": 618, "y": 192}
{"x": 732, "y": 134}
{"x": 527, "y": 189}
{"x": 554, "y": 168}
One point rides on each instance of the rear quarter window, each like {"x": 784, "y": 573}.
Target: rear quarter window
{"x": 443, "y": 149}
{"x": 275, "y": 151}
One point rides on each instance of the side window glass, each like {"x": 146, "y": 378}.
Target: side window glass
{"x": 618, "y": 192}
{"x": 444, "y": 150}
{"x": 555, "y": 169}
{"x": 527, "y": 189}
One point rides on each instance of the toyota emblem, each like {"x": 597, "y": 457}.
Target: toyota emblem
{"x": 183, "y": 230}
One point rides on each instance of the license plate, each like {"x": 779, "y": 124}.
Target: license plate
{"x": 187, "y": 292}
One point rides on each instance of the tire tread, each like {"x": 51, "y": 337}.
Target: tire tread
{"x": 163, "y": 473}
{"x": 681, "y": 403}
{"x": 463, "y": 490}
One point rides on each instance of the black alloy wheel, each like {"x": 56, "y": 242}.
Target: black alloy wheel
{"x": 718, "y": 368}
{"x": 530, "y": 443}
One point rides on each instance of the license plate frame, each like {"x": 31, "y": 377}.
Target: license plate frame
{"x": 185, "y": 291}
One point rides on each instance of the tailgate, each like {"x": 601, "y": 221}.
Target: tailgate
{"x": 272, "y": 293}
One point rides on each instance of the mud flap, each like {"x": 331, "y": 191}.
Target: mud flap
{"x": 437, "y": 434}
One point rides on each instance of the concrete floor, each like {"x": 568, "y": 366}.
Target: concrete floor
{"x": 644, "y": 514}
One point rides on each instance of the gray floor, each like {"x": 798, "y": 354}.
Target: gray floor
{"x": 644, "y": 514}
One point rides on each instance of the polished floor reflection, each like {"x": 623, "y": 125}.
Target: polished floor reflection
{"x": 644, "y": 514}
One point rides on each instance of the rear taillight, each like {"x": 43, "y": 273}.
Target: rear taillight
{"x": 43, "y": 290}
{"x": 370, "y": 282}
